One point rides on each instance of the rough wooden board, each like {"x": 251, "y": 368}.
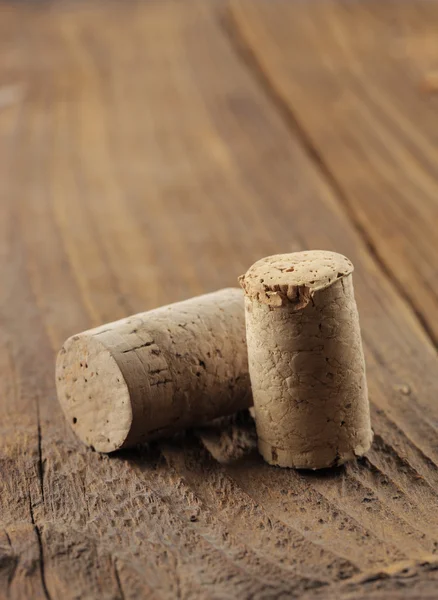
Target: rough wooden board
{"x": 358, "y": 82}
{"x": 142, "y": 162}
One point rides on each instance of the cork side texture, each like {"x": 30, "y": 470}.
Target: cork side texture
{"x": 306, "y": 360}
{"x": 157, "y": 372}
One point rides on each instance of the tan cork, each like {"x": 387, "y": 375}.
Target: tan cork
{"x": 156, "y": 372}
{"x": 306, "y": 360}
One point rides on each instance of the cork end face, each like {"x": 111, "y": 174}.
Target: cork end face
{"x": 93, "y": 393}
{"x": 293, "y": 278}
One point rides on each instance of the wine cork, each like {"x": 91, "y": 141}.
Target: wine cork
{"x": 156, "y": 372}
{"x": 306, "y": 360}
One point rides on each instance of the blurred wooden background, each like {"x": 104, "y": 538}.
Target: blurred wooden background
{"x": 150, "y": 151}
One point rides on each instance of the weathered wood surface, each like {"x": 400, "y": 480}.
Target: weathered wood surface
{"x": 152, "y": 151}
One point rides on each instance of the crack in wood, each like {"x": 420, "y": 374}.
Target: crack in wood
{"x": 40, "y": 456}
{"x": 41, "y": 551}
{"x": 10, "y": 559}
{"x": 119, "y": 583}
{"x": 42, "y": 563}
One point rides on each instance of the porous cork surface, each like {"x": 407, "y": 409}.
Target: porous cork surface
{"x": 306, "y": 360}
{"x": 154, "y": 373}
{"x": 293, "y": 278}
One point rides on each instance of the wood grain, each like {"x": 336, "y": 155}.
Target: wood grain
{"x": 143, "y": 161}
{"x": 363, "y": 101}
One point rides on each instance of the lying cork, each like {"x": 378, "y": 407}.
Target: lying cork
{"x": 156, "y": 372}
{"x": 306, "y": 360}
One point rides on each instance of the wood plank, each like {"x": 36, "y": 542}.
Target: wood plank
{"x": 355, "y": 80}
{"x": 144, "y": 163}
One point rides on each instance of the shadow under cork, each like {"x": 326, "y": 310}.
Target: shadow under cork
{"x": 231, "y": 441}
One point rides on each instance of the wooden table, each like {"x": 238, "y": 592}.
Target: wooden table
{"x": 151, "y": 151}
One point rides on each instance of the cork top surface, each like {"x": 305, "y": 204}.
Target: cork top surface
{"x": 294, "y": 278}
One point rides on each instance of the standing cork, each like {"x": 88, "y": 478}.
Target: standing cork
{"x": 306, "y": 360}
{"x": 152, "y": 374}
